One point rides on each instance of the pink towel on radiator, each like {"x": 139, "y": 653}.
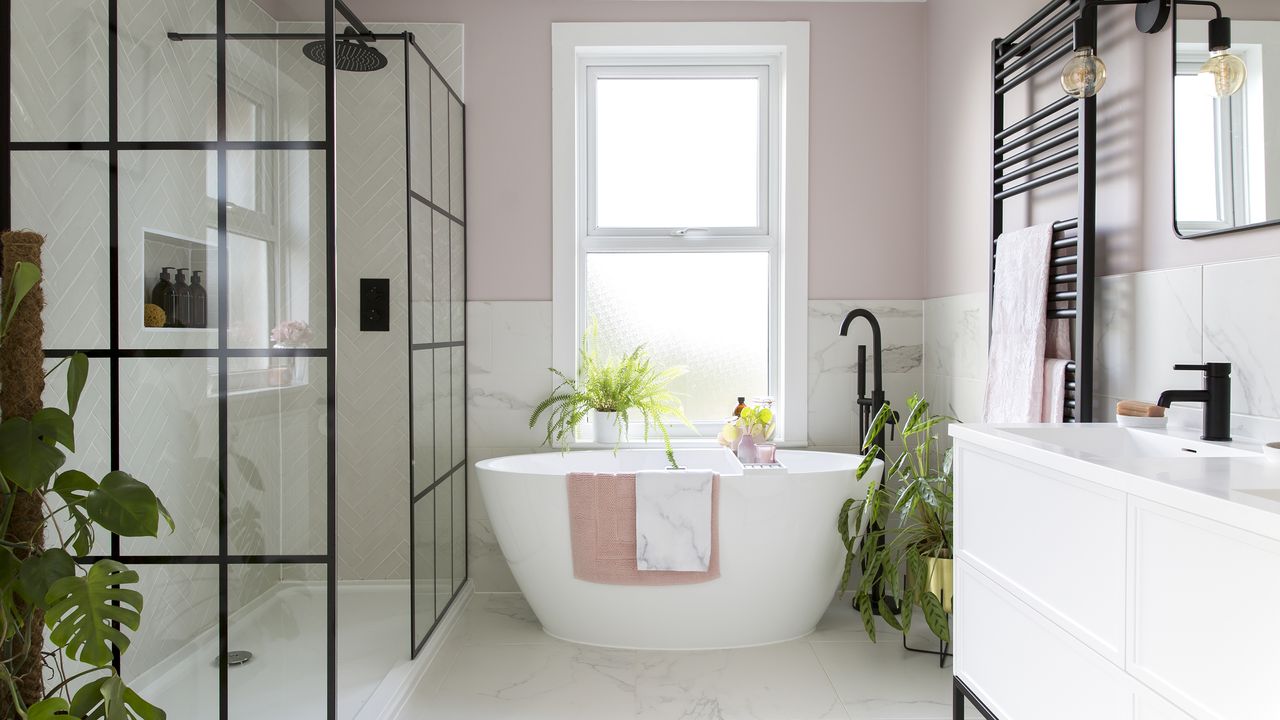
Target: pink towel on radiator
{"x": 602, "y": 527}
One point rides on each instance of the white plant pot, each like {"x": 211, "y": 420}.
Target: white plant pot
{"x": 605, "y": 428}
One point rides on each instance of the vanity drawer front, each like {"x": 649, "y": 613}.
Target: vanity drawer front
{"x": 1203, "y": 619}
{"x": 1051, "y": 539}
{"x": 1025, "y": 667}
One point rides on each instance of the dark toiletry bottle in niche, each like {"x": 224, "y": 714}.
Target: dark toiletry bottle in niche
{"x": 162, "y": 295}
{"x": 183, "y": 293}
{"x": 199, "y": 302}
{"x": 742, "y": 405}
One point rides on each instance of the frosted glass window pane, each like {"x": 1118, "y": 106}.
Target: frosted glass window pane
{"x": 677, "y": 152}
{"x": 706, "y": 312}
{"x": 1196, "y": 118}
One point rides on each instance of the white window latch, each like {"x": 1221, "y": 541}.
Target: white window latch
{"x": 681, "y": 232}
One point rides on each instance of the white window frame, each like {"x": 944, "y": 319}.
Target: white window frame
{"x": 778, "y": 52}
{"x": 762, "y": 68}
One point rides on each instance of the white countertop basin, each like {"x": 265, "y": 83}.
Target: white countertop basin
{"x": 1113, "y": 441}
{"x": 1231, "y": 482}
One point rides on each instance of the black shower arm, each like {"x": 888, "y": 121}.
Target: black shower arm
{"x": 351, "y": 17}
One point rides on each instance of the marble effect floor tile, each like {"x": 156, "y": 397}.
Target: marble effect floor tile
{"x": 498, "y": 664}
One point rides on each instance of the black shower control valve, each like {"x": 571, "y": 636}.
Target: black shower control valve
{"x": 375, "y": 305}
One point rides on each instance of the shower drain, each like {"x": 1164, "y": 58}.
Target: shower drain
{"x": 236, "y": 657}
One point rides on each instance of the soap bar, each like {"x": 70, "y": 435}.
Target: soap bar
{"x": 1137, "y": 408}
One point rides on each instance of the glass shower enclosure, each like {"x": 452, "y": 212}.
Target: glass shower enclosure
{"x": 144, "y": 137}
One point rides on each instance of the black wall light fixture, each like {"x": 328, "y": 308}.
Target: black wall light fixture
{"x": 1085, "y": 73}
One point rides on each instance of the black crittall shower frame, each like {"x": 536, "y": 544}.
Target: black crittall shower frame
{"x": 113, "y": 145}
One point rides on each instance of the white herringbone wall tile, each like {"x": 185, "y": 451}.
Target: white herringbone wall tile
{"x": 373, "y": 441}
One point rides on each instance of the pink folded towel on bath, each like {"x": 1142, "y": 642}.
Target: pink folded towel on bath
{"x": 602, "y": 528}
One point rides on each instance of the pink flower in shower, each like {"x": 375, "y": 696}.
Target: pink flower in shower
{"x": 292, "y": 333}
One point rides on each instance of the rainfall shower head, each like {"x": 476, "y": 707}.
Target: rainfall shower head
{"x": 350, "y": 54}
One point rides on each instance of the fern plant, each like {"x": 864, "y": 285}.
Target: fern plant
{"x": 911, "y": 557}
{"x": 630, "y": 385}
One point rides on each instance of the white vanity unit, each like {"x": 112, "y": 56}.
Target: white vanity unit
{"x": 1112, "y": 574}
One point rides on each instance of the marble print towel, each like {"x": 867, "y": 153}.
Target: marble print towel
{"x": 673, "y": 520}
{"x": 602, "y": 528}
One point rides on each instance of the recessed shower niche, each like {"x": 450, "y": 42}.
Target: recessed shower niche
{"x": 176, "y": 274}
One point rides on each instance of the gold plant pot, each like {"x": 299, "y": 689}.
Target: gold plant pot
{"x": 942, "y": 580}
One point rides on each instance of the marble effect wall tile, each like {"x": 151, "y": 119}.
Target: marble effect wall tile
{"x": 833, "y": 388}
{"x": 1145, "y": 323}
{"x": 1241, "y": 314}
{"x": 955, "y": 336}
{"x": 508, "y": 356}
{"x": 955, "y": 354}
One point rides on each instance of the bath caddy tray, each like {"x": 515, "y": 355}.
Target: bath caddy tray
{"x": 764, "y": 469}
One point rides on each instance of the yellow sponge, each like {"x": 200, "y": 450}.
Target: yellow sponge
{"x": 153, "y": 316}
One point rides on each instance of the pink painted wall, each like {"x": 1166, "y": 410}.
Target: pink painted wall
{"x": 1135, "y": 196}
{"x": 867, "y": 122}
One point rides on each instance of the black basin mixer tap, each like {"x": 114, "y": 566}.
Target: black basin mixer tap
{"x": 1216, "y": 397}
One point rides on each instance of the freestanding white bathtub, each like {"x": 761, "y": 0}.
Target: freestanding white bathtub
{"x": 780, "y": 554}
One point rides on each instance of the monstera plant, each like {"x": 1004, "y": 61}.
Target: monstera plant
{"x": 89, "y": 610}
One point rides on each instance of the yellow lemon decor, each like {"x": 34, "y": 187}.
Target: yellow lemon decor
{"x": 153, "y": 316}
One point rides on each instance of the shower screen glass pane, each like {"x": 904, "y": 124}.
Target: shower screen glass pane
{"x": 705, "y": 312}
{"x": 172, "y": 661}
{"x": 420, "y": 136}
{"x": 439, "y": 142}
{"x": 444, "y": 543}
{"x": 169, "y": 440}
{"x": 424, "y": 439}
{"x": 167, "y": 89}
{"x": 444, "y": 412}
{"x": 441, "y": 276}
{"x": 424, "y": 564}
{"x": 276, "y": 252}
{"x": 421, "y": 280}
{"x": 277, "y": 461}
{"x": 77, "y": 292}
{"x": 167, "y": 220}
{"x": 677, "y": 152}
{"x": 278, "y": 614}
{"x": 58, "y": 79}
{"x": 93, "y": 432}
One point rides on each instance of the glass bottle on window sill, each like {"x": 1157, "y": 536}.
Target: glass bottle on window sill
{"x": 747, "y": 449}
{"x": 287, "y": 371}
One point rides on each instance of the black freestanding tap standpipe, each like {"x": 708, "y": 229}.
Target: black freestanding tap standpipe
{"x": 868, "y": 408}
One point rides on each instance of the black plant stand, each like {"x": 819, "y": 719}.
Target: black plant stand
{"x": 943, "y": 652}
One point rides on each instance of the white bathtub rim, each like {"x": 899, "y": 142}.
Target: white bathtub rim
{"x": 490, "y": 464}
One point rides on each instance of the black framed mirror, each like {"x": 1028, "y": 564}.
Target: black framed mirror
{"x": 1226, "y": 116}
